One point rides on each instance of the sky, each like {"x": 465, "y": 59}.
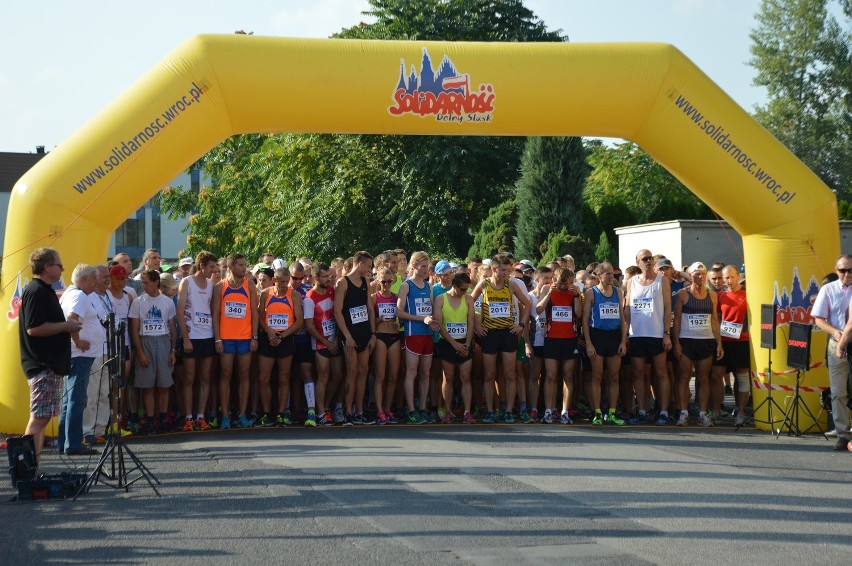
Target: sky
{"x": 64, "y": 61}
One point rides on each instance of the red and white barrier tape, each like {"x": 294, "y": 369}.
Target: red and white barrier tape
{"x": 759, "y": 384}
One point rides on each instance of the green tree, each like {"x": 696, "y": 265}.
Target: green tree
{"x": 560, "y": 243}
{"x": 803, "y": 56}
{"x": 604, "y": 250}
{"x": 550, "y": 191}
{"x": 496, "y": 232}
{"x": 292, "y": 194}
{"x": 625, "y": 176}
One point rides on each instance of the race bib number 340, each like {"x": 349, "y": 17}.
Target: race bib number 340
{"x": 235, "y": 309}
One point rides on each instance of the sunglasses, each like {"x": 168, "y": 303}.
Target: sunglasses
{"x": 647, "y": 258}
{"x": 387, "y": 282}
{"x": 297, "y": 278}
{"x": 844, "y": 271}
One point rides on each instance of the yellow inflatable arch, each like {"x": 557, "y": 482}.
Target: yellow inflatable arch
{"x": 213, "y": 87}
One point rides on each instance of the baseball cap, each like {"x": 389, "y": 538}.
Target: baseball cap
{"x": 168, "y": 280}
{"x": 166, "y": 267}
{"x": 278, "y": 263}
{"x": 697, "y": 266}
{"x": 442, "y": 267}
{"x": 186, "y": 261}
{"x": 118, "y": 271}
{"x": 256, "y": 269}
{"x": 664, "y": 262}
{"x": 486, "y": 261}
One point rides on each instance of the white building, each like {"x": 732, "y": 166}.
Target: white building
{"x": 686, "y": 241}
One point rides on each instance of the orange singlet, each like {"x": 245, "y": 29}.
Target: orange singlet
{"x": 235, "y": 320}
{"x": 279, "y": 311}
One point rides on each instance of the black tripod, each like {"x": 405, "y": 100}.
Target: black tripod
{"x": 111, "y": 466}
{"x": 791, "y": 417}
{"x": 768, "y": 401}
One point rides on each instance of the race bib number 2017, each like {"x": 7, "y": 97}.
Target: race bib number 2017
{"x": 499, "y": 309}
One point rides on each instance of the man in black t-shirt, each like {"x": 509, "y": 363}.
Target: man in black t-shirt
{"x": 45, "y": 342}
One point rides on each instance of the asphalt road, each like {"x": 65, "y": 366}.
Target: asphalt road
{"x": 490, "y": 495}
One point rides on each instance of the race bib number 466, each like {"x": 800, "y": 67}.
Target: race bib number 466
{"x": 563, "y": 314}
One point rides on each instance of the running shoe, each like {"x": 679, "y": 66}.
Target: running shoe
{"x": 597, "y": 419}
{"x": 348, "y": 420}
{"x": 534, "y": 416}
{"x": 253, "y": 418}
{"x": 187, "y": 425}
{"x": 312, "y": 419}
{"x": 326, "y": 419}
{"x": 741, "y": 420}
{"x": 683, "y": 419}
{"x": 214, "y": 422}
{"x": 447, "y": 418}
{"x": 243, "y": 422}
{"x": 124, "y": 433}
{"x": 468, "y": 419}
{"x": 662, "y": 420}
{"x": 391, "y": 418}
{"x": 266, "y": 420}
{"x": 429, "y": 417}
{"x": 509, "y": 418}
{"x": 498, "y": 415}
{"x": 489, "y": 418}
{"x": 361, "y": 419}
{"x": 613, "y": 419}
{"x": 705, "y": 421}
{"x": 339, "y": 417}
{"x": 201, "y": 424}
{"x": 381, "y": 418}
{"x": 226, "y": 423}
{"x": 565, "y": 419}
{"x": 525, "y": 417}
{"x": 283, "y": 419}
{"x": 547, "y": 418}
{"x": 638, "y": 418}
{"x": 413, "y": 417}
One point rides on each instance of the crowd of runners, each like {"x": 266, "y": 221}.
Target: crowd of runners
{"x": 217, "y": 343}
